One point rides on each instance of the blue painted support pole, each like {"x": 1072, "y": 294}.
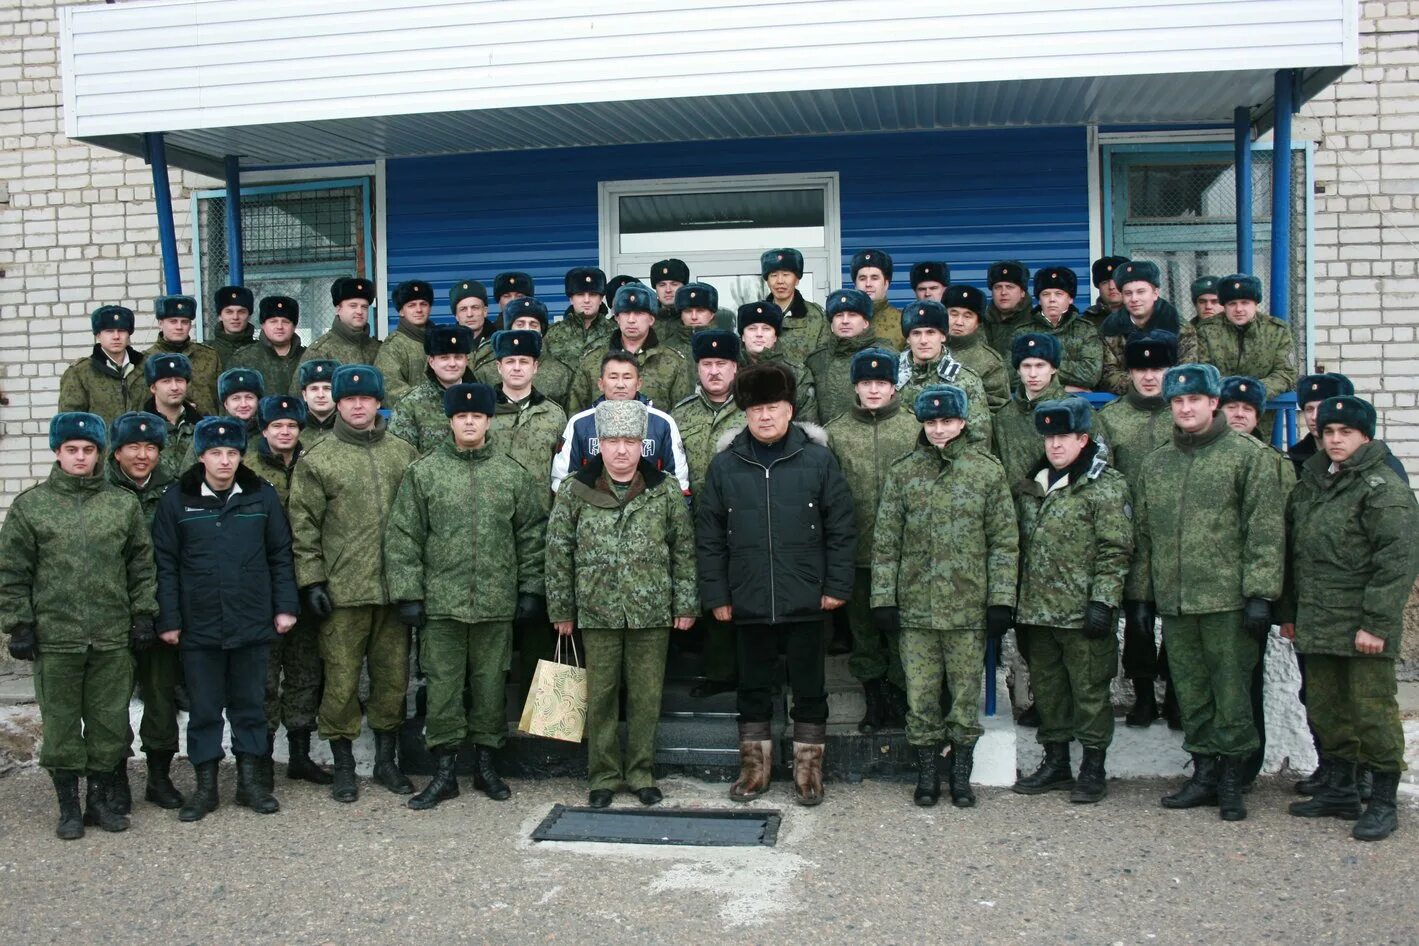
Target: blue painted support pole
{"x": 992, "y": 657}
{"x": 1281, "y": 199}
{"x": 234, "y": 267}
{"x": 1241, "y": 130}
{"x": 162, "y": 196}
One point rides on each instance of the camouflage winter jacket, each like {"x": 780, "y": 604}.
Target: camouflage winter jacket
{"x": 278, "y": 372}
{"x": 178, "y": 446}
{"x": 317, "y": 430}
{"x": 667, "y": 376}
{"x": 1352, "y": 554}
{"x": 1081, "y": 359}
{"x": 418, "y": 419}
{"x": 228, "y": 344}
{"x": 866, "y": 444}
{"x": 76, "y": 563}
{"x": 344, "y": 344}
{"x": 1119, "y": 327}
{"x": 620, "y": 559}
{"x": 946, "y": 543}
{"x": 831, "y": 369}
{"x": 1076, "y": 541}
{"x": 1263, "y": 349}
{"x": 1017, "y": 443}
{"x": 569, "y": 337}
{"x": 148, "y": 494}
{"x": 94, "y": 384}
{"x": 528, "y": 432}
{"x": 552, "y": 381}
{"x": 466, "y": 534}
{"x": 887, "y": 324}
{"x": 268, "y": 465}
{"x": 913, "y": 378}
{"x": 804, "y": 329}
{"x": 1000, "y": 327}
{"x": 703, "y": 425}
{"x": 1133, "y": 426}
{"x": 402, "y": 360}
{"x": 975, "y": 353}
{"x": 341, "y": 495}
{"x": 1209, "y": 523}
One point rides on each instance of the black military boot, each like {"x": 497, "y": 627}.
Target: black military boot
{"x": 1029, "y": 717}
{"x": 1052, "y": 774}
{"x": 1364, "y": 782}
{"x": 344, "y": 787}
{"x": 1337, "y": 798}
{"x": 1092, "y": 784}
{"x": 1316, "y": 780}
{"x": 928, "y": 775}
{"x": 1199, "y": 790}
{"x": 204, "y": 797}
{"x": 159, "y": 789}
{"x": 299, "y": 764}
{"x": 251, "y": 786}
{"x": 963, "y": 762}
{"x": 444, "y": 784}
{"x": 485, "y": 775}
{"x": 1231, "y": 803}
{"x": 1381, "y": 817}
{"x": 266, "y": 764}
{"x": 386, "y": 769}
{"x": 1145, "y": 704}
{"x": 99, "y": 809}
{"x": 874, "y": 718}
{"x": 120, "y": 795}
{"x": 71, "y": 816}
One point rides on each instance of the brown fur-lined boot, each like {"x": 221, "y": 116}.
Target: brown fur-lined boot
{"x": 755, "y": 762}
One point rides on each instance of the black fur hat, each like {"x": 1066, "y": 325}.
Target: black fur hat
{"x": 412, "y": 291}
{"x": 766, "y": 312}
{"x": 674, "y": 270}
{"x": 166, "y": 365}
{"x": 1138, "y": 270}
{"x": 215, "y": 432}
{"x": 715, "y": 343}
{"x": 1034, "y": 345}
{"x": 448, "y": 340}
{"x": 849, "y": 300}
{"x": 873, "y": 364}
{"x": 138, "y": 427}
{"x": 112, "y": 316}
{"x": 585, "y": 279}
{"x": 509, "y": 342}
{"x": 466, "y": 289}
{"x": 1318, "y": 387}
{"x": 1151, "y": 349}
{"x": 351, "y": 287}
{"x": 235, "y": 380}
{"x": 696, "y": 295}
{"x": 785, "y": 258}
{"x": 281, "y": 407}
{"x": 1056, "y": 277}
{"x": 1065, "y": 415}
{"x": 233, "y": 295}
{"x": 1103, "y": 268}
{"x": 315, "y": 370}
{"x": 924, "y": 313}
{"x": 765, "y": 383}
{"x": 1349, "y": 411}
{"x": 504, "y": 283}
{"x": 283, "y": 307}
{"x": 1244, "y": 389}
{"x": 864, "y": 259}
{"x": 965, "y": 297}
{"x": 1011, "y": 271}
{"x": 523, "y": 307}
{"x": 470, "y": 399}
{"x": 633, "y": 297}
{"x": 1238, "y": 286}
{"x": 931, "y": 272}
{"x": 175, "y": 307}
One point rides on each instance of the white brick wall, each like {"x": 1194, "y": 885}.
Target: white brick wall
{"x": 1367, "y": 223}
{"x": 78, "y": 228}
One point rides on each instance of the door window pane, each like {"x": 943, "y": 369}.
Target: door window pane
{"x": 669, "y": 224}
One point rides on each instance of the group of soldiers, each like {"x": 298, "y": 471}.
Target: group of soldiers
{"x": 785, "y": 481}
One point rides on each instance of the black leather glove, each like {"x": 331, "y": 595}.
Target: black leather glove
{"x": 1098, "y": 620}
{"x": 999, "y": 618}
{"x": 141, "y": 635}
{"x": 886, "y": 620}
{"x": 317, "y": 600}
{"x": 412, "y": 614}
{"x": 1256, "y": 618}
{"x": 531, "y": 609}
{"x": 1141, "y": 614}
{"x": 23, "y": 644}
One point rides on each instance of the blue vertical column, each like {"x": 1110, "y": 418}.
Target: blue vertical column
{"x": 1241, "y": 131}
{"x": 1283, "y": 433}
{"x": 162, "y": 196}
{"x": 235, "y": 275}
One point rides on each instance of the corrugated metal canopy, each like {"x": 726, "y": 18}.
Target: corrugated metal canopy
{"x": 1188, "y": 98}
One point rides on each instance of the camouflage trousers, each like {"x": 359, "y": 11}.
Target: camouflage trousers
{"x": 929, "y": 654}
{"x": 348, "y": 639}
{"x": 1070, "y": 674}
{"x": 293, "y": 679}
{"x": 874, "y": 655}
{"x": 454, "y": 654}
{"x": 1352, "y": 703}
{"x": 83, "y": 708}
{"x": 1210, "y": 659}
{"x": 634, "y": 657}
{"x": 155, "y": 678}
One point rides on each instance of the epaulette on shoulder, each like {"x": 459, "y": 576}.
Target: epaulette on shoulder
{"x": 687, "y": 399}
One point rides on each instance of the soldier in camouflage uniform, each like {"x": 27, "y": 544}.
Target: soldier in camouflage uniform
{"x": 239, "y": 392}
{"x": 134, "y": 464}
{"x": 464, "y": 553}
{"x": 850, "y": 330}
{"x": 666, "y": 278}
{"x": 945, "y": 557}
{"x": 867, "y": 440}
{"x": 1110, "y": 299}
{"x": 872, "y": 275}
{"x": 553, "y": 377}
{"x": 1081, "y": 358}
{"x": 1144, "y": 310}
{"x": 77, "y": 589}
{"x": 175, "y": 315}
{"x": 293, "y": 673}
{"x": 401, "y": 356}
{"x": 233, "y": 331}
{"x": 277, "y": 353}
{"x": 802, "y": 327}
{"x": 418, "y": 418}
{"x": 110, "y": 380}
{"x": 665, "y": 373}
{"x": 1134, "y": 426}
{"x": 1017, "y": 443}
{"x": 1209, "y": 521}
{"x": 705, "y": 418}
{"x": 929, "y": 280}
{"x": 341, "y": 494}
{"x": 349, "y": 340}
{"x": 586, "y": 323}
{"x": 928, "y": 361}
{"x": 1352, "y": 562}
{"x": 168, "y": 377}
{"x": 759, "y": 326}
{"x": 1245, "y": 342}
{"x": 966, "y": 341}
{"x": 1009, "y": 308}
{"x": 696, "y": 305}
{"x": 621, "y": 517}
{"x": 1076, "y": 539}
{"x": 313, "y": 378}
{"x": 1205, "y": 302}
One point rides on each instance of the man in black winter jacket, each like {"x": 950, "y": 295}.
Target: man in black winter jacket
{"x": 776, "y": 541}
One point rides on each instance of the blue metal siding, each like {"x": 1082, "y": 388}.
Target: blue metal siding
{"x": 969, "y": 198}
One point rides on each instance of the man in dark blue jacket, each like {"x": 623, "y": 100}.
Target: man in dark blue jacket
{"x": 226, "y": 589}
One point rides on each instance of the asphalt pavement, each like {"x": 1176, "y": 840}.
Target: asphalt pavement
{"x": 865, "y": 867}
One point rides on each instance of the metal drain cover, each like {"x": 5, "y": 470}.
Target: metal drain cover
{"x": 687, "y": 826}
